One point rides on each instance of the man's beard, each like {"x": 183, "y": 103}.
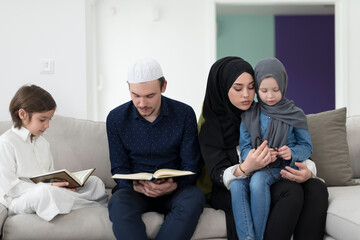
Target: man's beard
{"x": 145, "y": 115}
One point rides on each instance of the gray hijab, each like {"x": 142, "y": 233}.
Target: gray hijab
{"x": 283, "y": 114}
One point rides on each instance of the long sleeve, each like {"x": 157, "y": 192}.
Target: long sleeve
{"x": 137, "y": 145}
{"x": 10, "y": 184}
{"x": 311, "y": 166}
{"x": 118, "y": 157}
{"x": 218, "y": 160}
{"x": 245, "y": 142}
{"x": 301, "y": 148}
{"x": 189, "y": 150}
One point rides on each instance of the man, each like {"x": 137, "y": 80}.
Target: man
{"x": 146, "y": 134}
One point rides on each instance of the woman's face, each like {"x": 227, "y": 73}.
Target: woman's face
{"x": 241, "y": 93}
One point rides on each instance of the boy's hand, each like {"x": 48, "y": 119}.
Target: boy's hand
{"x": 284, "y": 152}
{"x": 64, "y": 185}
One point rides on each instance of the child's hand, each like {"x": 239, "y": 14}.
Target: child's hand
{"x": 63, "y": 185}
{"x": 273, "y": 153}
{"x": 284, "y": 152}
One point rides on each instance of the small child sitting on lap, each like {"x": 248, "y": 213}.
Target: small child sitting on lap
{"x": 277, "y": 120}
{"x": 25, "y": 153}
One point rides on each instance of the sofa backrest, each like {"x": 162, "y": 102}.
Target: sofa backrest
{"x": 4, "y": 126}
{"x": 81, "y": 144}
{"x": 353, "y": 137}
{"x": 77, "y": 145}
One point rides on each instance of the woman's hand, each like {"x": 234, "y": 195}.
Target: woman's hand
{"x": 299, "y": 176}
{"x": 257, "y": 159}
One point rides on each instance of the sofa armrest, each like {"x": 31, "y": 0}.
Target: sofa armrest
{"x": 3, "y": 216}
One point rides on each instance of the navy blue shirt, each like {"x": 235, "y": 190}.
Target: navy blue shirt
{"x": 137, "y": 145}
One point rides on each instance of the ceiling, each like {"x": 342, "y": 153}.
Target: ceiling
{"x": 274, "y": 9}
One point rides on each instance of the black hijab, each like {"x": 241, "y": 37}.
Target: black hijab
{"x": 283, "y": 114}
{"x": 222, "y": 119}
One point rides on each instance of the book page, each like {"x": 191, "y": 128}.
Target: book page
{"x": 134, "y": 176}
{"x": 49, "y": 173}
{"x": 82, "y": 175}
{"x": 166, "y": 173}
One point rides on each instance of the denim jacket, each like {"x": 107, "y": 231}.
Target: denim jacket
{"x": 299, "y": 141}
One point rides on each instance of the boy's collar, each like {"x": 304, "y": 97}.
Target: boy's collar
{"x": 23, "y": 133}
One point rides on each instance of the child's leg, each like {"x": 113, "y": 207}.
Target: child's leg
{"x": 260, "y": 198}
{"x": 40, "y": 200}
{"x": 48, "y": 201}
{"x": 94, "y": 190}
{"x": 241, "y": 208}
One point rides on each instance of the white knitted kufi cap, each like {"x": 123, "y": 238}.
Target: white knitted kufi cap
{"x": 144, "y": 70}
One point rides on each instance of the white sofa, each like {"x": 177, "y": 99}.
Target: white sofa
{"x": 343, "y": 216}
{"x": 81, "y": 144}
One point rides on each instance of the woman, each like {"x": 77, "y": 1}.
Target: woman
{"x": 298, "y": 209}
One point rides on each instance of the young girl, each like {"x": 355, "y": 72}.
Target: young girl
{"x": 25, "y": 153}
{"x": 284, "y": 126}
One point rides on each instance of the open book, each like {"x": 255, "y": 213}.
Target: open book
{"x": 75, "y": 179}
{"x": 161, "y": 173}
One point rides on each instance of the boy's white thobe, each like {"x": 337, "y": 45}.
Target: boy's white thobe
{"x": 20, "y": 159}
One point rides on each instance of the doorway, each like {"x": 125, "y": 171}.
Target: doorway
{"x": 302, "y": 37}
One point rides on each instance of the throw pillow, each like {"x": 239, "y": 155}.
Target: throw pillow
{"x": 330, "y": 147}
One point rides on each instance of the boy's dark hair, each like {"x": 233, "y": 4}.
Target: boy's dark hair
{"x": 32, "y": 99}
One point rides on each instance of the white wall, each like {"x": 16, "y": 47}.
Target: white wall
{"x": 352, "y": 93}
{"x": 36, "y": 29}
{"x": 182, "y": 39}
{"x": 176, "y": 33}
{"x": 347, "y": 47}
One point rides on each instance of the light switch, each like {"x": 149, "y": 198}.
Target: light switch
{"x": 47, "y": 66}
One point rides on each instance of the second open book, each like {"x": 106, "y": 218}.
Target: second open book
{"x": 161, "y": 173}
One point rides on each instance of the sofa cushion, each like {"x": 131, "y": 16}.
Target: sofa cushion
{"x": 4, "y": 126}
{"x": 211, "y": 223}
{"x": 353, "y": 133}
{"x": 153, "y": 222}
{"x": 343, "y": 217}
{"x": 75, "y": 225}
{"x": 80, "y": 144}
{"x": 74, "y": 150}
{"x": 331, "y": 153}
{"x": 85, "y": 223}
{"x": 3, "y": 216}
